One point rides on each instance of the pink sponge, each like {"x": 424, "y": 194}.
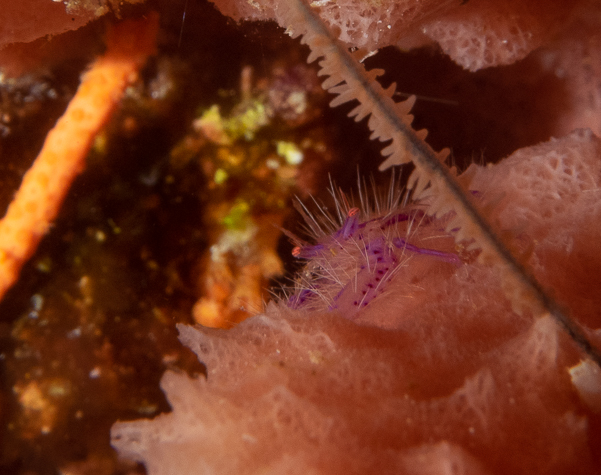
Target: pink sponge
{"x": 435, "y": 375}
{"x": 488, "y": 33}
{"x": 475, "y": 34}
{"x": 550, "y": 198}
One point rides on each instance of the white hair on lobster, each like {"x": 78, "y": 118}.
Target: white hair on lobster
{"x": 357, "y": 251}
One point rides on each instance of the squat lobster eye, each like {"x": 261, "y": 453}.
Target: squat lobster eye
{"x": 352, "y": 212}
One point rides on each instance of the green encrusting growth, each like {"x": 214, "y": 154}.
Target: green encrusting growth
{"x": 432, "y": 178}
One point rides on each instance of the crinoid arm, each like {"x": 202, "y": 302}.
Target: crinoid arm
{"x": 432, "y": 178}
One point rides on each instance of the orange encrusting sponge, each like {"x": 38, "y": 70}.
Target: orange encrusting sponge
{"x": 63, "y": 154}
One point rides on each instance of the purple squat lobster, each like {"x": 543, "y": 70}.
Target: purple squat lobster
{"x": 349, "y": 268}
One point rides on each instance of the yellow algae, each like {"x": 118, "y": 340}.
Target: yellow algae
{"x": 290, "y": 152}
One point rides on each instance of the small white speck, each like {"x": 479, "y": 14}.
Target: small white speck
{"x": 272, "y": 164}
{"x": 37, "y": 301}
{"x": 100, "y": 236}
{"x": 249, "y": 438}
{"x": 75, "y": 333}
{"x": 94, "y": 373}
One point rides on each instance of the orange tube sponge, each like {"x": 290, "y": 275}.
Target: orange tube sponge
{"x": 63, "y": 154}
